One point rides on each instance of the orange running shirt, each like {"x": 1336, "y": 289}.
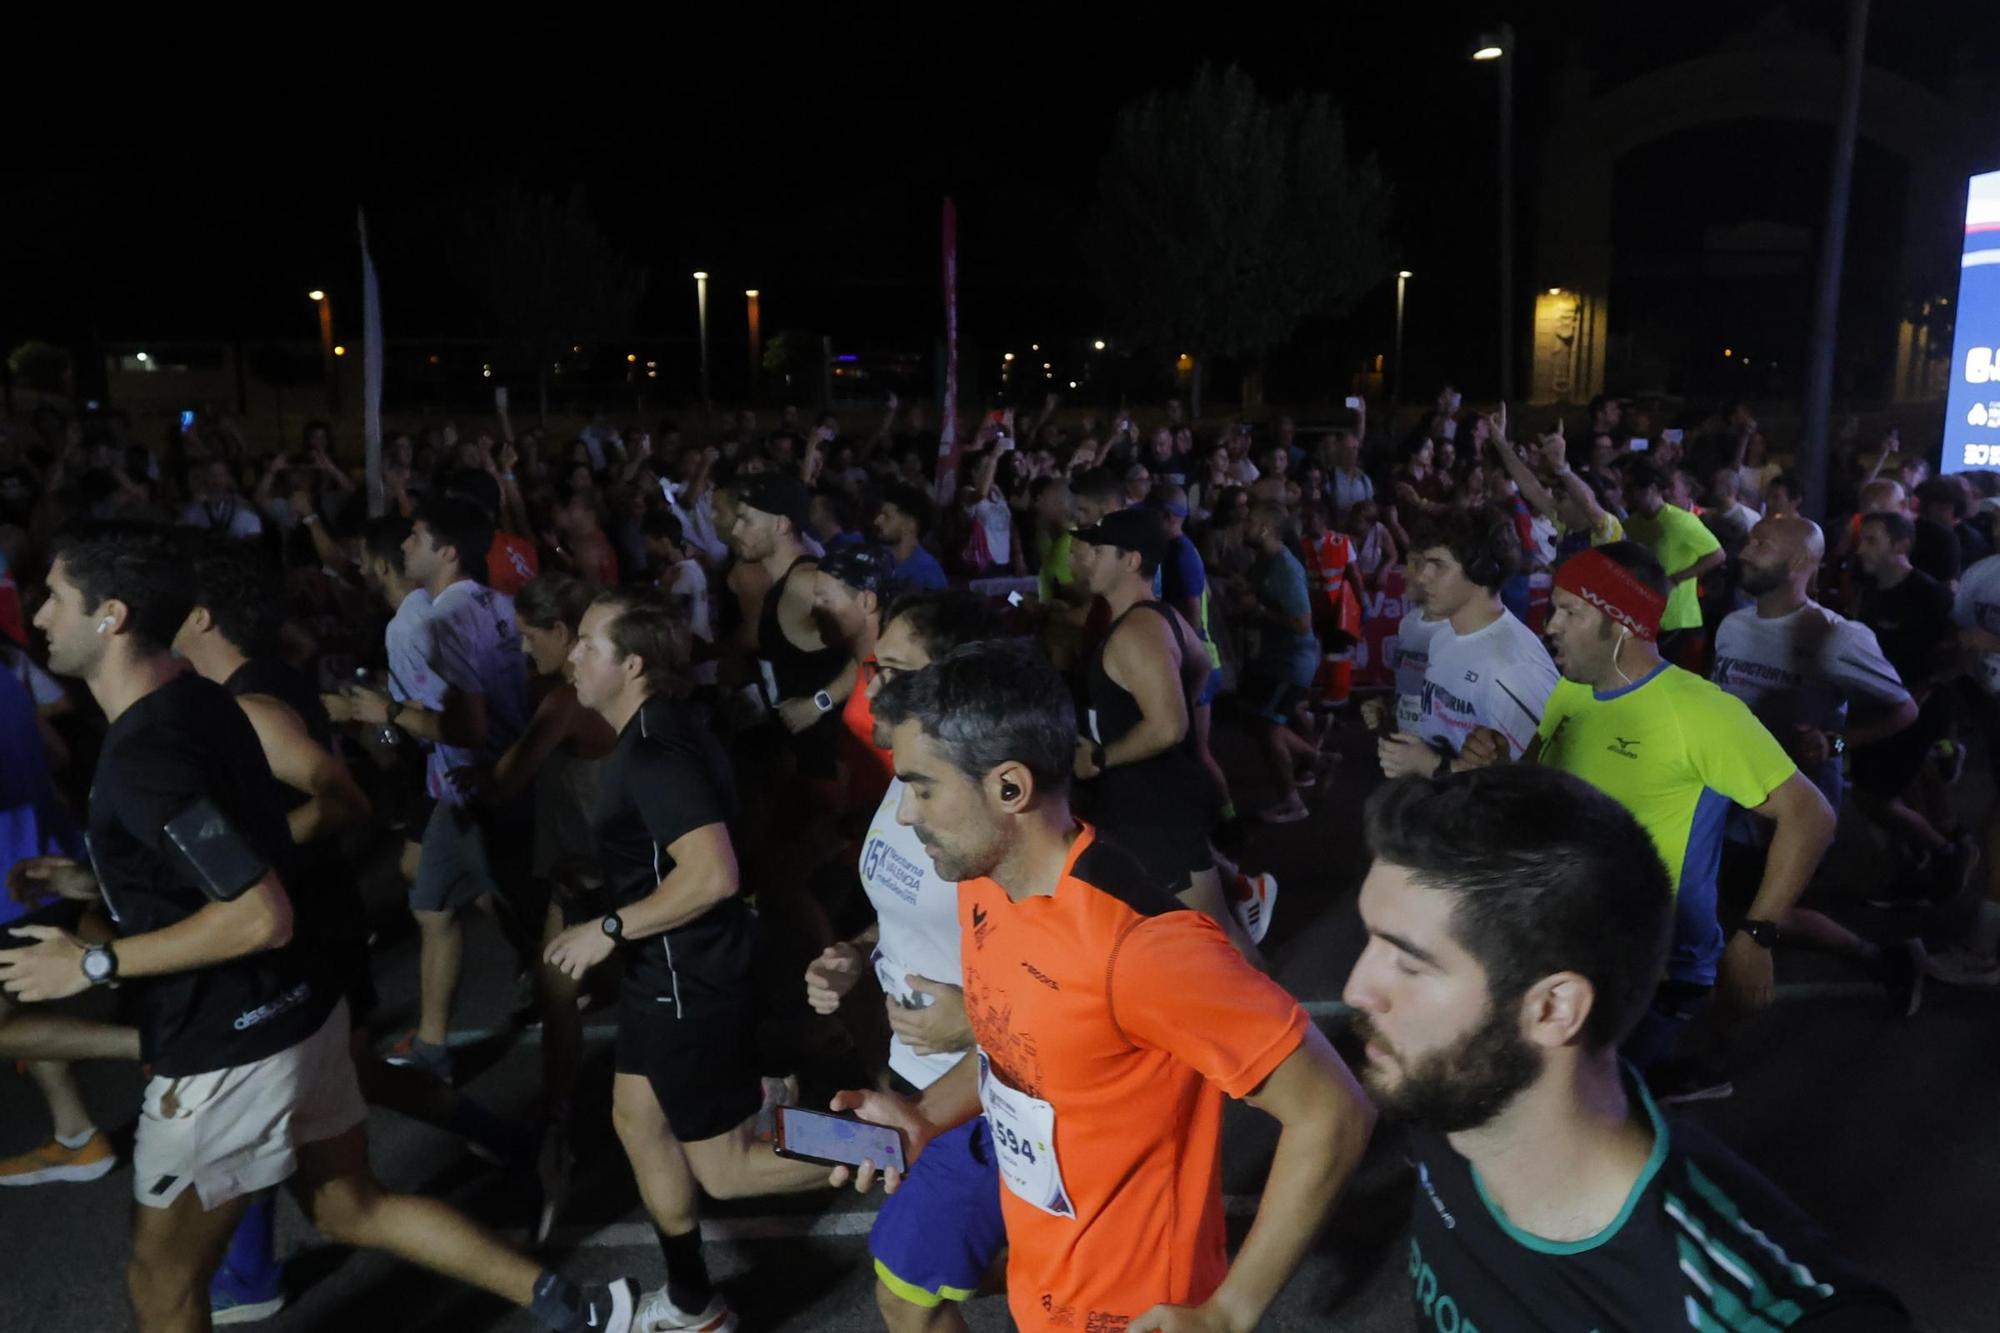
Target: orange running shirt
{"x": 1119, "y": 1018}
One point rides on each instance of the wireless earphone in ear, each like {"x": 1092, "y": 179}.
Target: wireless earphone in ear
{"x": 104, "y": 625}
{"x": 1009, "y": 791}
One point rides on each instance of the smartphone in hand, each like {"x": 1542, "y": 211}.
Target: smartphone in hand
{"x": 836, "y": 1140}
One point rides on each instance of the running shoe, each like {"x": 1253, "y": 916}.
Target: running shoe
{"x": 53, "y": 1162}
{"x": 1960, "y": 966}
{"x": 1253, "y": 904}
{"x": 610, "y": 1307}
{"x": 658, "y": 1314}
{"x": 1285, "y": 812}
{"x": 411, "y": 1053}
{"x": 237, "y": 1300}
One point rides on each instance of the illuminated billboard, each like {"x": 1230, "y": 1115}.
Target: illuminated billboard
{"x": 1972, "y": 412}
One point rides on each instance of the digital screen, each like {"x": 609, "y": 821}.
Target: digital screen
{"x": 833, "y": 1138}
{"x": 1972, "y": 410}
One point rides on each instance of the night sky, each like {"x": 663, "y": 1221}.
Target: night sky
{"x": 804, "y": 157}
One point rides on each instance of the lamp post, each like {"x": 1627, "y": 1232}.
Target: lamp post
{"x": 756, "y": 342}
{"x": 326, "y": 352}
{"x": 1396, "y": 362}
{"x": 701, "y": 311}
{"x": 1499, "y": 46}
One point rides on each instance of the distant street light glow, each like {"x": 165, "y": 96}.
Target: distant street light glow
{"x": 315, "y": 295}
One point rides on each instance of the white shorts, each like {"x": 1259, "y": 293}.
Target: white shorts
{"x": 235, "y": 1131}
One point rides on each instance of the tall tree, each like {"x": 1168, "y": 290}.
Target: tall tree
{"x": 1224, "y": 219}
{"x": 547, "y": 274}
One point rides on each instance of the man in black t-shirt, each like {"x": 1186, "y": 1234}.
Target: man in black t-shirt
{"x": 251, "y": 1080}
{"x": 687, "y": 1090}
{"x": 1911, "y": 616}
{"x": 1518, "y": 920}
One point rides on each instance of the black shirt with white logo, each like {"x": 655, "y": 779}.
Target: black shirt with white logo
{"x": 668, "y": 777}
{"x": 1703, "y": 1242}
{"x": 185, "y": 744}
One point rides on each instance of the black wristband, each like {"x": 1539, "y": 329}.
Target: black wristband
{"x": 1443, "y": 769}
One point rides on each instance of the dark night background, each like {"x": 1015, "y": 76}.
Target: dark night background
{"x": 807, "y": 157}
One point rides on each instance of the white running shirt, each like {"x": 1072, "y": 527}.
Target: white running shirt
{"x": 1498, "y": 677}
{"x": 919, "y": 927}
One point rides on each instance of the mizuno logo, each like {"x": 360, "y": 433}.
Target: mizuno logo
{"x": 1624, "y": 747}
{"x": 978, "y": 915}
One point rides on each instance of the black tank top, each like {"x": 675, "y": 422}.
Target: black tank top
{"x": 1168, "y": 787}
{"x": 272, "y": 677}
{"x": 797, "y": 672}
{"x": 327, "y": 899}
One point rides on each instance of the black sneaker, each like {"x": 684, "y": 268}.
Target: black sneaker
{"x": 1677, "y": 1082}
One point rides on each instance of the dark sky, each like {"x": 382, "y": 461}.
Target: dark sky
{"x": 804, "y": 156}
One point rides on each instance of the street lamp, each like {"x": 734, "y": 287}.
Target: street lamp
{"x": 701, "y": 310}
{"x": 1396, "y": 366}
{"x": 326, "y": 351}
{"x": 756, "y": 341}
{"x": 1499, "y": 47}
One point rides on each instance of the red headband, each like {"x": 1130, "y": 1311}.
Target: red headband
{"x": 1614, "y": 590}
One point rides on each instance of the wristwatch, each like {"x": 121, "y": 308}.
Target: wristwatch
{"x": 614, "y": 926}
{"x": 100, "y": 965}
{"x": 1761, "y": 932}
{"x": 823, "y": 701}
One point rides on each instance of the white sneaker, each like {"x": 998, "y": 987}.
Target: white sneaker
{"x": 1253, "y": 912}
{"x": 1959, "y": 966}
{"x": 658, "y": 1314}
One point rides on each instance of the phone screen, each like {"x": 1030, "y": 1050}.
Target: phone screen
{"x": 1640, "y": 444}
{"x": 1671, "y": 436}
{"x": 837, "y": 1140}
{"x": 1354, "y": 404}
{"x": 187, "y": 420}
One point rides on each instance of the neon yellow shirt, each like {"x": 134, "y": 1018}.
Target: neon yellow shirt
{"x": 1676, "y": 751}
{"x": 1679, "y": 539}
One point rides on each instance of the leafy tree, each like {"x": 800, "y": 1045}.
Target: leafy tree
{"x": 1224, "y": 219}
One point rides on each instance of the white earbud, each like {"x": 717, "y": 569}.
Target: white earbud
{"x": 104, "y": 625}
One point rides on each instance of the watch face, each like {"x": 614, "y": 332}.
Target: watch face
{"x": 96, "y": 964}
{"x": 613, "y": 926}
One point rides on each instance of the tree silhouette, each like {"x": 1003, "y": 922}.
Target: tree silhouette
{"x": 547, "y": 274}
{"x": 1224, "y": 219}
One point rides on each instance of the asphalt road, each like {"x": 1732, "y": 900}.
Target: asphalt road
{"x": 1885, "y": 1130}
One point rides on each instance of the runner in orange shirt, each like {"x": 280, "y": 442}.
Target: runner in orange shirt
{"x": 1110, "y": 1022}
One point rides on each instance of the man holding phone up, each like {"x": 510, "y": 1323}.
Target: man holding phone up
{"x": 1110, "y": 1021}
{"x": 687, "y": 1090}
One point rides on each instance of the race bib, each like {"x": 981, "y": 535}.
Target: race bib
{"x": 1024, "y": 1140}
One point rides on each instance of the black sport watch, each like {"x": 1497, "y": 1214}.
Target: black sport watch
{"x": 614, "y": 926}
{"x": 100, "y": 965}
{"x": 1761, "y": 932}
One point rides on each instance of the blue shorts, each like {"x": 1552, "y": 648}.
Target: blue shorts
{"x": 939, "y": 1233}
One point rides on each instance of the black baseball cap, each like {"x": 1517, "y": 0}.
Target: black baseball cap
{"x": 862, "y": 566}
{"x": 779, "y": 494}
{"x": 1138, "y": 529}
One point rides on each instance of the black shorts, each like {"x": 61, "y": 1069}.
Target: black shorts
{"x": 1171, "y": 854}
{"x": 1269, "y": 698}
{"x": 703, "y": 1070}
{"x": 1887, "y": 768}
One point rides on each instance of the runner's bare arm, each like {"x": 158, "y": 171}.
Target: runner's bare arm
{"x": 1325, "y": 1120}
